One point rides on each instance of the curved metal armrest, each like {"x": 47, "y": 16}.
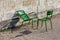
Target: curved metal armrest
{"x": 31, "y": 13}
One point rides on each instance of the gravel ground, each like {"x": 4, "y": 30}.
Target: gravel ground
{"x": 34, "y": 34}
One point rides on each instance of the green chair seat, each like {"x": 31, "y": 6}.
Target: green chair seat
{"x": 43, "y": 19}
{"x": 25, "y": 17}
{"x": 34, "y": 19}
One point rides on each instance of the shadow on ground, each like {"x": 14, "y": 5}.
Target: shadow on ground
{"x": 26, "y": 32}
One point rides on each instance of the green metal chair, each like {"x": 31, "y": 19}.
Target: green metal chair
{"x": 25, "y": 17}
{"x": 49, "y": 16}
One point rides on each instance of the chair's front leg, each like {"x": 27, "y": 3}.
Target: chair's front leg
{"x": 29, "y": 22}
{"x": 37, "y": 23}
{"x": 51, "y": 23}
{"x": 46, "y": 26}
{"x": 32, "y": 23}
{"x": 22, "y": 23}
{"x": 41, "y": 24}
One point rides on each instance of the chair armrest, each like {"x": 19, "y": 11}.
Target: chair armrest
{"x": 32, "y": 14}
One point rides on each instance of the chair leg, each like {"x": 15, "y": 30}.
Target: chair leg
{"x": 29, "y": 22}
{"x": 51, "y": 23}
{"x": 46, "y": 26}
{"x": 28, "y": 26}
{"x": 41, "y": 24}
{"x": 22, "y": 23}
{"x": 37, "y": 23}
{"x": 32, "y": 23}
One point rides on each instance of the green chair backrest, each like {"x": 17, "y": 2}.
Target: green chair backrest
{"x": 49, "y": 13}
{"x": 22, "y": 15}
{"x": 21, "y": 12}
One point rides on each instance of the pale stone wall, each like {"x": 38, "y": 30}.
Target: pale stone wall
{"x": 8, "y": 7}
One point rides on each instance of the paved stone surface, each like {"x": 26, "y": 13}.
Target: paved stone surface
{"x": 34, "y": 34}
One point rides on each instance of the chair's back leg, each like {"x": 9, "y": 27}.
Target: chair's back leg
{"x": 32, "y": 23}
{"x": 37, "y": 23}
{"x": 51, "y": 23}
{"x": 46, "y": 26}
{"x": 41, "y": 24}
